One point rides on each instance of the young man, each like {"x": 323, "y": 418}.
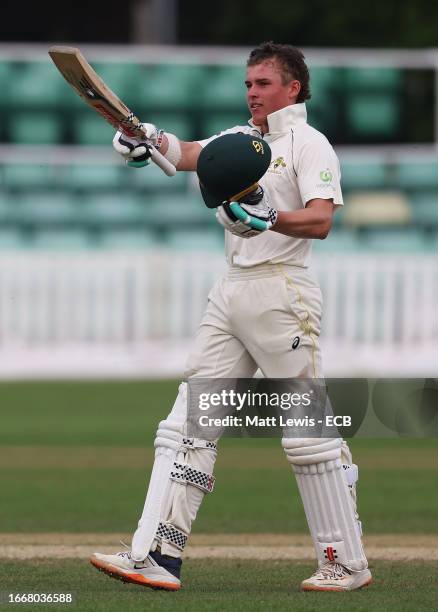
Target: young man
{"x": 267, "y": 300}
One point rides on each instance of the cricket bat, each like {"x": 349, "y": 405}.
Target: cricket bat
{"x": 89, "y": 86}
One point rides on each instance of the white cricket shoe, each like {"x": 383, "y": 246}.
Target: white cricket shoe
{"x": 333, "y": 576}
{"x": 156, "y": 571}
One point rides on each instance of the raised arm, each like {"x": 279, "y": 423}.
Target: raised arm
{"x": 183, "y": 155}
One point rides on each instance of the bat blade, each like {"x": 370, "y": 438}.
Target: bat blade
{"x": 93, "y": 90}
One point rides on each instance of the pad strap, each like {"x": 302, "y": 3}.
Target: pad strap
{"x": 198, "y": 443}
{"x": 186, "y": 474}
{"x": 170, "y": 534}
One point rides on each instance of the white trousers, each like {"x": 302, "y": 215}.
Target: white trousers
{"x": 265, "y": 317}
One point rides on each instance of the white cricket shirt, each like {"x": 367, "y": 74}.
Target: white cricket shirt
{"x": 304, "y": 166}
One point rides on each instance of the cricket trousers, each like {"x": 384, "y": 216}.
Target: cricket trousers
{"x": 268, "y": 317}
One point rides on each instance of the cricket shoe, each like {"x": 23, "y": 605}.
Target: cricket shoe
{"x": 333, "y": 576}
{"x": 156, "y": 571}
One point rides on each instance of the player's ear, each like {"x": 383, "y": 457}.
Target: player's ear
{"x": 294, "y": 89}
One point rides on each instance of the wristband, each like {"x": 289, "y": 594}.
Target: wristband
{"x": 173, "y": 153}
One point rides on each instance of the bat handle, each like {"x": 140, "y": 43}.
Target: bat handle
{"x": 162, "y": 162}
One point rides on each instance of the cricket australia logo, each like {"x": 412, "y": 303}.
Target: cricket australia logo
{"x": 277, "y": 165}
{"x": 258, "y": 147}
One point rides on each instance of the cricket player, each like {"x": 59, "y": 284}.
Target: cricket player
{"x": 264, "y": 313}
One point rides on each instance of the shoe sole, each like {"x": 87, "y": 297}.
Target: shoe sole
{"x": 335, "y": 589}
{"x": 113, "y": 572}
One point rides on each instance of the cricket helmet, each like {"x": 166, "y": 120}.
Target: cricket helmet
{"x": 230, "y": 166}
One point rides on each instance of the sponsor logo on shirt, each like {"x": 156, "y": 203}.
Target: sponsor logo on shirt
{"x": 326, "y": 177}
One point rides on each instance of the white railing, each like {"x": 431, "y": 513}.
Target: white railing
{"x": 378, "y": 310}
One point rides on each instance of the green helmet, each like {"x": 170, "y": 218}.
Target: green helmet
{"x": 230, "y": 166}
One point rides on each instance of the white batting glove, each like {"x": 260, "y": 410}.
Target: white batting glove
{"x": 136, "y": 152}
{"x": 248, "y": 218}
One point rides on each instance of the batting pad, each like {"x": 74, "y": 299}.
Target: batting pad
{"x": 327, "y": 501}
{"x": 181, "y": 476}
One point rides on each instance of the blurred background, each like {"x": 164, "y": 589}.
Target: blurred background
{"x": 104, "y": 270}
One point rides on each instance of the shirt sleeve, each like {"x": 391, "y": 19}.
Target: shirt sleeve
{"x": 318, "y": 172}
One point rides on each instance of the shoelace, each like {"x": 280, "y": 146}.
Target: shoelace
{"x": 126, "y": 553}
{"x": 331, "y": 570}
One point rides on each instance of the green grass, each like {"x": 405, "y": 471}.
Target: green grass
{"x": 224, "y": 585}
{"x": 76, "y": 456}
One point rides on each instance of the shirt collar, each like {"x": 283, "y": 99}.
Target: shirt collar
{"x": 285, "y": 118}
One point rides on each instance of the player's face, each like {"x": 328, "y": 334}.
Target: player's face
{"x": 266, "y": 92}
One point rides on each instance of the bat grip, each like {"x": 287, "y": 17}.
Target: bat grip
{"x": 162, "y": 162}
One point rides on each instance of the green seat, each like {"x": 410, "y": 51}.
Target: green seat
{"x": 34, "y": 128}
{"x": 120, "y": 77}
{"x": 7, "y": 206}
{"x": 117, "y": 209}
{"x": 424, "y": 207}
{"x": 128, "y": 239}
{"x": 417, "y": 174}
{"x": 372, "y": 115}
{"x": 373, "y": 79}
{"x": 219, "y": 122}
{"x": 95, "y": 176}
{"x": 12, "y": 239}
{"x": 396, "y": 241}
{"x": 338, "y": 241}
{"x": 189, "y": 240}
{"x": 166, "y": 86}
{"x": 90, "y": 129}
{"x": 322, "y": 108}
{"x": 363, "y": 173}
{"x": 176, "y": 123}
{"x": 34, "y": 85}
{"x": 178, "y": 212}
{"x": 61, "y": 240}
{"x": 5, "y": 77}
{"x": 45, "y": 209}
{"x": 23, "y": 176}
{"x": 152, "y": 179}
{"x": 224, "y": 87}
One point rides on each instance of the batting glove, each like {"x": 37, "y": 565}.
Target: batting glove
{"x": 137, "y": 152}
{"x": 249, "y": 217}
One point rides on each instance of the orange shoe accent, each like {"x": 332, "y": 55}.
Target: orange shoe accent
{"x": 114, "y": 572}
{"x": 335, "y": 589}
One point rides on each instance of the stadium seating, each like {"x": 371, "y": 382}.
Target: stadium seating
{"x": 363, "y": 173}
{"x": 396, "y": 241}
{"x": 224, "y": 87}
{"x": 13, "y": 239}
{"x": 371, "y": 116}
{"x": 166, "y": 86}
{"x": 128, "y": 239}
{"x": 29, "y": 176}
{"x": 217, "y": 122}
{"x": 33, "y": 85}
{"x": 67, "y": 239}
{"x": 89, "y": 129}
{"x": 211, "y": 240}
{"x": 424, "y": 206}
{"x": 33, "y": 127}
{"x": 94, "y": 177}
{"x": 88, "y": 202}
{"x": 417, "y": 174}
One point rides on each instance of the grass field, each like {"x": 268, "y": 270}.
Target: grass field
{"x": 75, "y": 459}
